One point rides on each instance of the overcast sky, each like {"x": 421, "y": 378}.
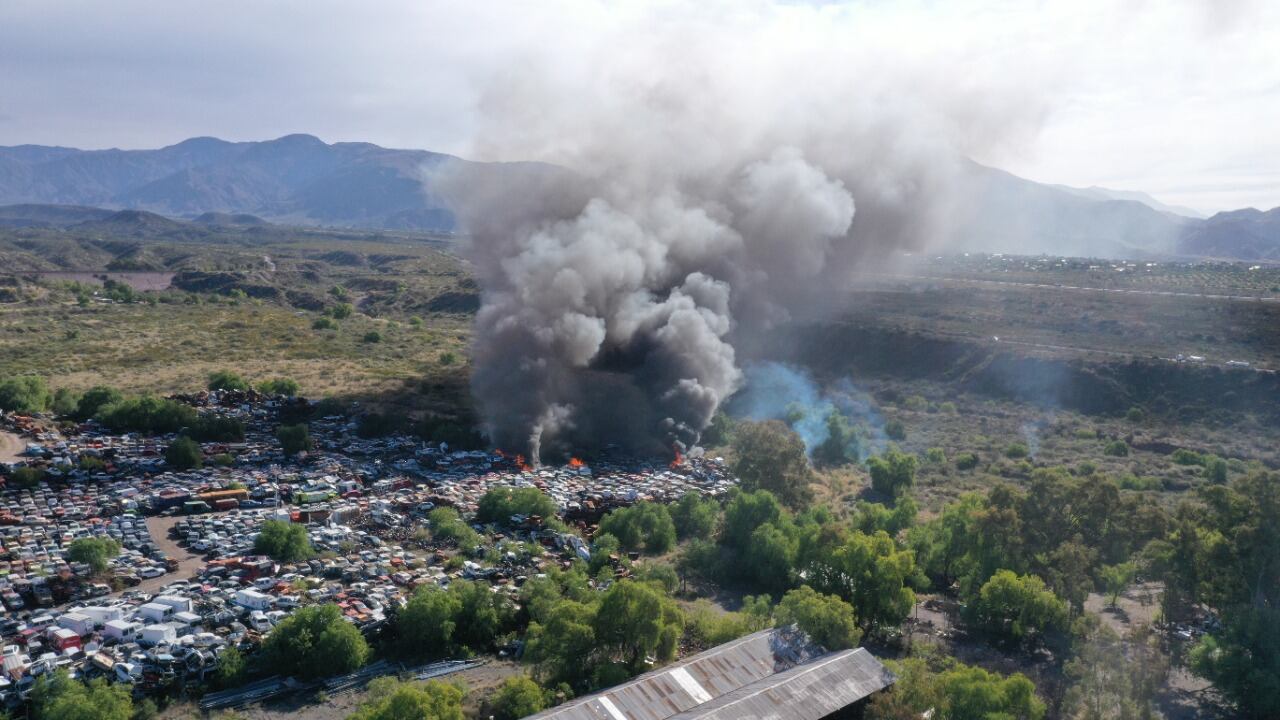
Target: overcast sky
{"x": 1180, "y": 98}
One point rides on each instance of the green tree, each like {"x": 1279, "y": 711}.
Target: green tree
{"x": 283, "y": 541}
{"x": 499, "y": 504}
{"x": 892, "y": 473}
{"x": 482, "y": 616}
{"x": 895, "y": 430}
{"x": 1215, "y": 470}
{"x": 146, "y": 414}
{"x": 1017, "y": 451}
{"x": 695, "y": 516}
{"x": 217, "y": 428}
{"x": 1243, "y": 660}
{"x": 634, "y": 621}
{"x": 341, "y": 311}
{"x": 645, "y": 526}
{"x": 392, "y": 699}
{"x": 1116, "y": 578}
{"x": 517, "y": 697}
{"x": 771, "y": 456}
{"x": 96, "y": 552}
{"x": 294, "y": 438}
{"x": 94, "y": 399}
{"x": 826, "y": 619}
{"x": 56, "y": 696}
{"x": 373, "y": 336}
{"x": 966, "y": 461}
{"x": 747, "y": 511}
{"x": 64, "y": 402}
{"x": 184, "y": 454}
{"x": 1018, "y": 607}
{"x": 841, "y": 446}
{"x": 719, "y": 432}
{"x": 562, "y": 644}
{"x": 227, "y": 380}
{"x": 447, "y": 524}
{"x": 768, "y": 561}
{"x": 24, "y": 394}
{"x": 315, "y": 642}
{"x": 231, "y": 669}
{"x": 872, "y": 574}
{"x": 945, "y": 689}
{"x": 425, "y": 626}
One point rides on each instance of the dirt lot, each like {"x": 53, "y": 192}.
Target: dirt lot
{"x": 188, "y": 564}
{"x": 11, "y": 447}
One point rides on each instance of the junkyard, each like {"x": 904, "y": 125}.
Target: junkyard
{"x": 187, "y": 584}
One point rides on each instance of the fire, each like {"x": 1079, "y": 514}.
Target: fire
{"x": 575, "y": 463}
{"x": 520, "y": 463}
{"x": 679, "y": 460}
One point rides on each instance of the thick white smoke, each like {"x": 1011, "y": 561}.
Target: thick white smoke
{"x": 727, "y": 168}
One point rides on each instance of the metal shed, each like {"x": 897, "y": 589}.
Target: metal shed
{"x": 762, "y": 675}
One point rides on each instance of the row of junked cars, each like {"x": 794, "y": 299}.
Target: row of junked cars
{"x": 362, "y": 501}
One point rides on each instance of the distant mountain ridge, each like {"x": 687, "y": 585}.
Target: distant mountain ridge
{"x": 297, "y": 179}
{"x": 301, "y": 180}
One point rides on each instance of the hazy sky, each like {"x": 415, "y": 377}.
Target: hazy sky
{"x": 1180, "y": 98}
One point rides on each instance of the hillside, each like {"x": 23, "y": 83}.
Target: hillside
{"x": 301, "y": 180}
{"x": 297, "y": 179}
{"x": 1241, "y": 234}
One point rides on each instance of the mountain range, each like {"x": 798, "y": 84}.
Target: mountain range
{"x": 301, "y": 180}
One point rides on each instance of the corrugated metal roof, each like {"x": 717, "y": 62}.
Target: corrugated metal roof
{"x": 706, "y": 679}
{"x": 806, "y": 692}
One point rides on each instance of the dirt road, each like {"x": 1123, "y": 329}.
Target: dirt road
{"x": 11, "y": 447}
{"x": 188, "y": 563}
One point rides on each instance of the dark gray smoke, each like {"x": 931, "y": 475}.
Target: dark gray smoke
{"x": 721, "y": 180}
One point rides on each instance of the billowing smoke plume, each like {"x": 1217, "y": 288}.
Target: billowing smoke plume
{"x": 718, "y": 173}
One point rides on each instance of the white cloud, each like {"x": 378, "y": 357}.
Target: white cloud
{"x": 1178, "y": 98}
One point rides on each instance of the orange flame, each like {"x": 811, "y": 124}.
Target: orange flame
{"x": 575, "y": 463}
{"x": 520, "y": 463}
{"x": 679, "y": 460}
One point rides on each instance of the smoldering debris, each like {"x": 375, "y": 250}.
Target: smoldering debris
{"x": 777, "y": 391}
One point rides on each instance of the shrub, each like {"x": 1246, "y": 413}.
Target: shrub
{"x": 1182, "y": 456}
{"x": 315, "y": 642}
{"x": 644, "y": 526}
{"x": 279, "y": 386}
{"x": 1116, "y": 448}
{"x": 893, "y": 472}
{"x": 227, "y": 380}
{"x": 935, "y": 455}
{"x": 294, "y": 438}
{"x": 146, "y": 414}
{"x": 1215, "y": 470}
{"x": 184, "y": 454}
{"x": 1135, "y": 415}
{"x": 341, "y": 311}
{"x": 94, "y": 399}
{"x": 895, "y": 430}
{"x": 499, "y": 504}
{"x": 516, "y": 698}
{"x": 24, "y": 394}
{"x": 26, "y": 477}
{"x": 283, "y": 541}
{"x": 373, "y": 336}
{"x": 217, "y": 428}
{"x": 448, "y": 358}
{"x": 94, "y": 552}
{"x": 966, "y": 461}
{"x": 1016, "y": 451}
{"x": 324, "y": 323}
